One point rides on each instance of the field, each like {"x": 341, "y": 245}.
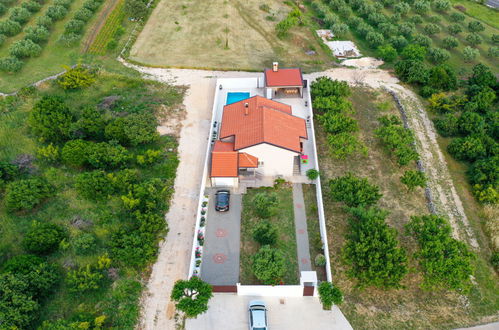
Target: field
{"x": 227, "y": 35}
{"x": 409, "y": 307}
{"x": 284, "y": 220}
{"x": 479, "y": 11}
{"x": 99, "y": 45}
{"x": 116, "y": 297}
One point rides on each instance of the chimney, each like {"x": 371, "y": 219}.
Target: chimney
{"x": 246, "y": 109}
{"x": 275, "y": 66}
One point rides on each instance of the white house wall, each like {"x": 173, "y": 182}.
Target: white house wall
{"x": 224, "y": 182}
{"x": 276, "y": 161}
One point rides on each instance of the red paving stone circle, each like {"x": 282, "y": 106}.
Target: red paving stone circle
{"x": 298, "y": 205}
{"x": 221, "y": 232}
{"x": 219, "y": 258}
{"x": 301, "y": 231}
{"x": 304, "y": 261}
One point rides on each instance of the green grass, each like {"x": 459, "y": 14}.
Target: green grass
{"x": 117, "y": 300}
{"x": 284, "y": 220}
{"x": 485, "y": 14}
{"x": 410, "y": 307}
{"x": 106, "y": 34}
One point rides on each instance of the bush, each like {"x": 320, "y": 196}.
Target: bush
{"x": 133, "y": 249}
{"x": 469, "y": 53}
{"x": 422, "y": 7}
{"x": 84, "y": 243}
{"x": 69, "y": 39}
{"x": 450, "y": 42}
{"x": 43, "y": 238}
{"x": 49, "y": 153}
{"x": 322, "y": 104}
{"x": 339, "y": 29}
{"x": 32, "y": 6}
{"x": 25, "y": 48}
{"x": 65, "y": 3}
{"x": 413, "y": 179}
{"x": 374, "y": 39}
{"x": 416, "y": 19}
{"x": 407, "y": 29}
{"x": 438, "y": 55}
{"x": 422, "y": 40}
{"x": 457, "y": 17}
{"x": 493, "y": 51}
{"x": 75, "y": 153}
{"x": 431, "y": 29}
{"x": 136, "y": 8}
{"x": 83, "y": 14}
{"x": 387, "y": 53}
{"x": 265, "y": 204}
{"x": 23, "y": 195}
{"x": 20, "y": 15}
{"x": 106, "y": 155}
{"x": 447, "y": 125}
{"x": 484, "y": 171}
{"x": 455, "y": 29}
{"x": 475, "y": 26}
{"x": 133, "y": 129}
{"x": 150, "y": 157}
{"x": 325, "y": 86}
{"x": 397, "y": 139}
{"x": 398, "y": 42}
{"x": 74, "y": 26}
{"x": 91, "y": 124}
{"x": 335, "y": 123}
{"x": 18, "y": 306}
{"x": 265, "y": 233}
{"x": 191, "y": 296}
{"x": 372, "y": 250}
{"x": 312, "y": 174}
{"x": 343, "y": 145}
{"x": 353, "y": 191}
{"x": 269, "y": 265}
{"x": 37, "y": 33}
{"x": 471, "y": 123}
{"x": 445, "y": 261}
{"x": 11, "y": 64}
{"x": 283, "y": 26}
{"x": 94, "y": 185}
{"x": 442, "y": 5}
{"x": 468, "y": 148}
{"x": 44, "y": 21}
{"x": 402, "y": 8}
{"x": 56, "y": 13}
{"x": 84, "y": 279}
{"x": 329, "y": 295}
{"x": 414, "y": 52}
{"x": 9, "y": 27}
{"x": 320, "y": 260}
{"x": 442, "y": 77}
{"x": 77, "y": 77}
{"x": 474, "y": 39}
{"x": 50, "y": 119}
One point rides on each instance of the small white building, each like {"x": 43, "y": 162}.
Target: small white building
{"x": 285, "y": 82}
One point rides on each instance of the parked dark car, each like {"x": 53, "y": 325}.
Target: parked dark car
{"x": 222, "y": 198}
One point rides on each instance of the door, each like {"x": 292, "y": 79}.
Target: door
{"x": 308, "y": 289}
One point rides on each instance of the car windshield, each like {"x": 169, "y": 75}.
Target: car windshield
{"x": 223, "y": 198}
{"x": 259, "y": 321}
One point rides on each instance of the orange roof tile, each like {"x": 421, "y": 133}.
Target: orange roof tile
{"x": 246, "y": 160}
{"x": 262, "y": 121}
{"x": 283, "y": 77}
{"x": 224, "y": 160}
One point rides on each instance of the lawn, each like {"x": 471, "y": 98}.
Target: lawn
{"x": 482, "y": 12}
{"x": 409, "y": 307}
{"x": 284, "y": 220}
{"x": 117, "y": 295}
{"x": 227, "y": 35}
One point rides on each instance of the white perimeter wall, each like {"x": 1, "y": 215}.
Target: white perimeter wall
{"x": 270, "y": 291}
{"x": 276, "y": 161}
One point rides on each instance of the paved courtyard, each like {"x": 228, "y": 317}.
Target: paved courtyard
{"x": 229, "y": 311}
{"x": 221, "y": 247}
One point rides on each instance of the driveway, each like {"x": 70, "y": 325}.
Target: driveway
{"x": 221, "y": 247}
{"x": 229, "y": 311}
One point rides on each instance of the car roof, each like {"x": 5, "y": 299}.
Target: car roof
{"x": 259, "y": 318}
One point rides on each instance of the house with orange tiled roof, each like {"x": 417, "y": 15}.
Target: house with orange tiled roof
{"x": 257, "y": 135}
{"x": 283, "y": 82}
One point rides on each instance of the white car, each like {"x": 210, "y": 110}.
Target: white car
{"x": 257, "y": 315}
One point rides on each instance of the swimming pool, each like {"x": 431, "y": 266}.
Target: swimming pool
{"x": 233, "y": 97}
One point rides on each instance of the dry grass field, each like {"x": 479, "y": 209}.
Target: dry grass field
{"x": 222, "y": 34}
{"x": 410, "y": 307}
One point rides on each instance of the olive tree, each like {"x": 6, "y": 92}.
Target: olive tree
{"x": 191, "y": 296}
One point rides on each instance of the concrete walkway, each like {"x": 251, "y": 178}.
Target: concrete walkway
{"x": 220, "y": 264}
{"x": 302, "y": 243}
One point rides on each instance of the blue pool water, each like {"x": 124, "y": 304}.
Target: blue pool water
{"x": 236, "y": 97}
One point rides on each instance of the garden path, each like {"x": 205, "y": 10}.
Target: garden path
{"x": 302, "y": 244}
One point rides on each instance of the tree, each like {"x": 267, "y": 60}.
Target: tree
{"x": 74, "y": 26}
{"x": 329, "y": 294}
{"x": 413, "y": 179}
{"x": 345, "y": 144}
{"x": 18, "y": 308}
{"x": 474, "y": 39}
{"x": 387, "y": 53}
{"x": 265, "y": 233}
{"x": 83, "y": 14}
{"x": 468, "y": 148}
{"x": 485, "y": 171}
{"x": 133, "y": 129}
{"x": 37, "y": 33}
{"x": 44, "y": 21}
{"x": 10, "y": 28}
{"x": 25, "y": 48}
{"x": 442, "y": 77}
{"x": 447, "y": 125}
{"x": 325, "y": 86}
{"x": 374, "y": 39}
{"x": 91, "y": 124}
{"x": 422, "y": 7}
{"x": 493, "y": 51}
{"x": 335, "y": 104}
{"x": 414, "y": 52}
{"x": 56, "y": 13}
{"x": 133, "y": 248}
{"x": 398, "y": 42}
{"x": 23, "y": 195}
{"x": 75, "y": 153}
{"x": 8, "y": 172}
{"x": 455, "y": 29}
{"x": 457, "y": 17}
{"x": 192, "y": 296}
{"x": 94, "y": 185}
{"x": 10, "y": 64}
{"x": 43, "y": 238}
{"x": 339, "y": 29}
{"x": 416, "y": 19}
{"x": 421, "y": 40}
{"x": 431, "y": 29}
{"x": 265, "y": 204}
{"x": 136, "y": 8}
{"x": 442, "y": 5}
{"x": 20, "y": 15}
{"x": 269, "y": 265}
{"x": 469, "y": 53}
{"x": 438, "y": 55}
{"x": 335, "y": 123}
{"x": 445, "y": 261}
{"x": 476, "y": 26}
{"x": 50, "y": 119}
{"x": 397, "y": 139}
{"x": 450, "y": 42}
{"x": 402, "y": 8}
{"x": 372, "y": 250}
{"x": 471, "y": 123}
{"x": 77, "y": 77}
{"x": 353, "y": 191}
{"x": 482, "y": 75}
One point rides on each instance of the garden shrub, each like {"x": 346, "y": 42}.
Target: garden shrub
{"x": 84, "y": 279}
{"x": 447, "y": 125}
{"x": 37, "y": 33}
{"x": 265, "y": 233}
{"x": 387, "y": 53}
{"x": 335, "y": 123}
{"x": 345, "y": 144}
{"x": 43, "y": 238}
{"x": 329, "y": 294}
{"x": 372, "y": 250}
{"x": 413, "y": 179}
{"x": 265, "y": 204}
{"x": 191, "y": 296}
{"x": 50, "y": 119}
{"x": 25, "y": 48}
{"x": 10, "y": 28}
{"x": 77, "y": 77}
{"x": 353, "y": 190}
{"x": 445, "y": 261}
{"x": 467, "y": 148}
{"x": 24, "y": 195}
{"x": 94, "y": 185}
{"x": 84, "y": 243}
{"x": 269, "y": 265}
{"x": 320, "y": 260}
{"x": 312, "y": 174}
